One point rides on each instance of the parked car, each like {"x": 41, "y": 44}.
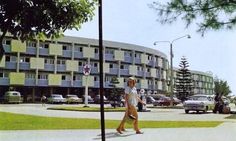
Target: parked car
{"x": 97, "y": 99}
{"x": 56, "y": 98}
{"x": 150, "y": 99}
{"x": 119, "y": 103}
{"x": 90, "y": 99}
{"x": 166, "y": 101}
{"x": 12, "y": 97}
{"x": 71, "y": 98}
{"x": 198, "y": 103}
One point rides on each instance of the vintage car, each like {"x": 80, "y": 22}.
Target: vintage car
{"x": 72, "y": 98}
{"x": 56, "y": 98}
{"x": 12, "y": 97}
{"x": 198, "y": 103}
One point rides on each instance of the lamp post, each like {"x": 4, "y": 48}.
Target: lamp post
{"x": 171, "y": 63}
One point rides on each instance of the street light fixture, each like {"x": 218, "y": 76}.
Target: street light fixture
{"x": 171, "y": 63}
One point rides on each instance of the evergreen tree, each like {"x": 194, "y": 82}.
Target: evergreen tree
{"x": 183, "y": 80}
{"x": 221, "y": 87}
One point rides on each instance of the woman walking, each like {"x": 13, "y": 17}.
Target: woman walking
{"x": 131, "y": 100}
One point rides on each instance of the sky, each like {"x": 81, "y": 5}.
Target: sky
{"x": 132, "y": 21}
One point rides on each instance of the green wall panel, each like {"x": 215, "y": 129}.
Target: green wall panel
{"x": 17, "y": 78}
{"x": 18, "y": 46}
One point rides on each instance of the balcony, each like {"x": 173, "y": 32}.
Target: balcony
{"x": 31, "y": 50}
{"x": 124, "y": 72}
{"x": 24, "y": 66}
{"x": 113, "y": 71}
{"x": 42, "y": 82}
{"x": 29, "y": 82}
{"x": 109, "y": 57}
{"x": 7, "y": 48}
{"x": 148, "y": 74}
{"x": 94, "y": 70}
{"x": 66, "y": 83}
{"x": 151, "y": 87}
{"x": 67, "y": 53}
{"x": 10, "y": 65}
{"x": 49, "y": 67}
{"x": 61, "y": 68}
{"x": 140, "y": 73}
{"x": 43, "y": 51}
{"x": 4, "y": 81}
{"x": 137, "y": 60}
{"x": 128, "y": 59}
{"x": 96, "y": 84}
{"x": 96, "y": 56}
{"x": 77, "y": 83}
{"x": 78, "y": 54}
{"x": 151, "y": 63}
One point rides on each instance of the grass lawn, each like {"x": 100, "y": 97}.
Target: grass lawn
{"x": 88, "y": 109}
{"x": 231, "y": 116}
{"x": 10, "y": 121}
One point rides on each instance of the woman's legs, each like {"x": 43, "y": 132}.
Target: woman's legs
{"x": 133, "y": 112}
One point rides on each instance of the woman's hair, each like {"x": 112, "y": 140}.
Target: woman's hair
{"x": 131, "y": 79}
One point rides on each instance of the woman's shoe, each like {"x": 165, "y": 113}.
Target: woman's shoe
{"x": 139, "y": 132}
{"x": 119, "y": 131}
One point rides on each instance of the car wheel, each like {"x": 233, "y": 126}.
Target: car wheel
{"x": 186, "y": 111}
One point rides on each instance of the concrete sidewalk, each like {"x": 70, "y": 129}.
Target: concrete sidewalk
{"x": 224, "y": 132}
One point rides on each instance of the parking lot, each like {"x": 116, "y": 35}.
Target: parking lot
{"x": 225, "y": 131}
{"x": 157, "y": 113}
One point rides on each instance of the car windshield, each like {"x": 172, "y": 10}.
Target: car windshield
{"x": 72, "y": 96}
{"x": 199, "y": 98}
{"x": 57, "y": 96}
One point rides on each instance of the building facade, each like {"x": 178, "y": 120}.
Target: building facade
{"x": 203, "y": 82}
{"x": 37, "y": 68}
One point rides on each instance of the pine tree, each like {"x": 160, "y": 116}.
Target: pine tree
{"x": 183, "y": 80}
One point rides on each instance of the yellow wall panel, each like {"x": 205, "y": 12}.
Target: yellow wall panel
{"x": 2, "y": 62}
{"x": 144, "y": 58}
{"x": 55, "y": 49}
{"x": 119, "y": 55}
{"x": 18, "y": 46}
{"x": 153, "y": 72}
{"x": 71, "y": 65}
{"x": 54, "y": 79}
{"x": 144, "y": 84}
{"x": 17, "y": 78}
{"x": 121, "y": 84}
{"x": 89, "y": 79}
{"x": 36, "y": 63}
{"x": 133, "y": 70}
{"x": 106, "y": 68}
{"x": 88, "y": 52}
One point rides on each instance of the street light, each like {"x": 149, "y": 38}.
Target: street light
{"x": 171, "y": 63}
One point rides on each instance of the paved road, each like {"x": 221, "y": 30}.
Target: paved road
{"x": 224, "y": 132}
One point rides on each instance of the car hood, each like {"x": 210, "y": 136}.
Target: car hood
{"x": 194, "y": 102}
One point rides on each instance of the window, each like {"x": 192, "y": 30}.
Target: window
{"x": 63, "y": 77}
{"x": 61, "y": 62}
{"x": 95, "y": 78}
{"x": 7, "y": 42}
{"x": 81, "y": 49}
{"x": 96, "y": 50}
{"x": 64, "y": 47}
{"x": 95, "y": 65}
{"x": 111, "y": 65}
{"x": 81, "y": 63}
{"x": 43, "y": 45}
{"x": 30, "y": 76}
{"x": 31, "y": 44}
{"x": 8, "y": 58}
{"x": 24, "y": 60}
{"x": 1, "y": 74}
{"x": 49, "y": 61}
{"x": 43, "y": 76}
{"x": 121, "y": 66}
